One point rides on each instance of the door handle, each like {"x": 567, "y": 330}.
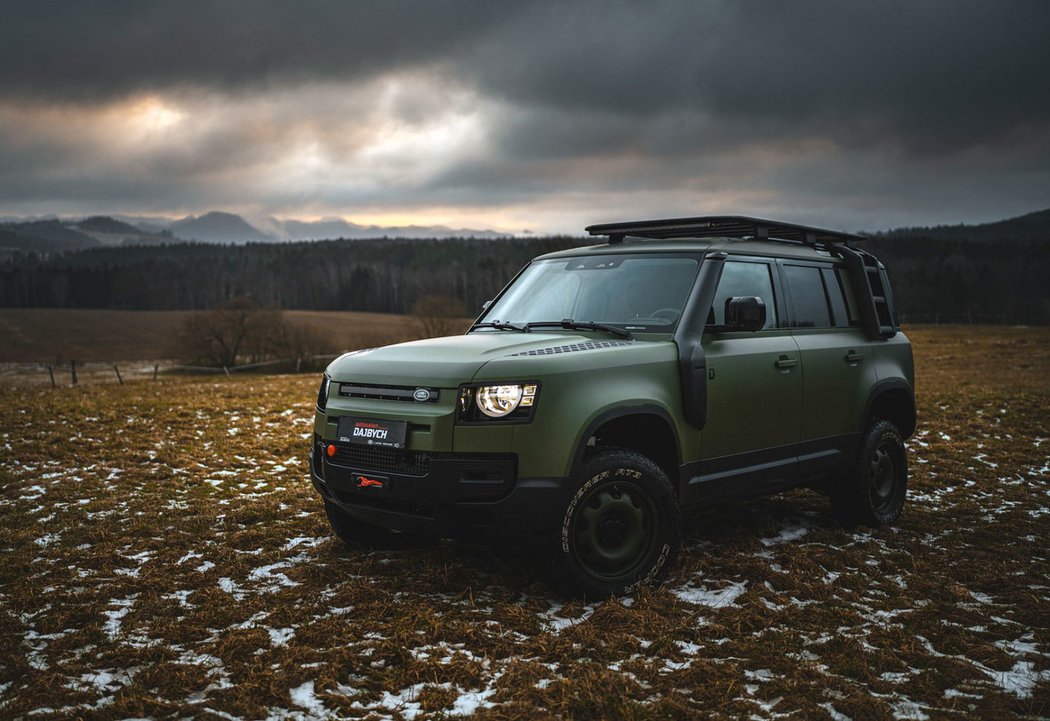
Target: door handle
{"x": 854, "y": 357}
{"x": 785, "y": 362}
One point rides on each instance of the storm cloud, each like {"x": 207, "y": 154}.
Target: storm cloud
{"x": 544, "y": 115}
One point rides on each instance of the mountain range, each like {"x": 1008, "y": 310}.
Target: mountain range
{"x": 49, "y": 235}
{"x": 55, "y": 235}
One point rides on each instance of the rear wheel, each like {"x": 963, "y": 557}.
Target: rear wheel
{"x": 874, "y": 493}
{"x": 357, "y": 534}
{"x": 620, "y": 529}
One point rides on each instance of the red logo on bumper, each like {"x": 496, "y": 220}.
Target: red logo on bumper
{"x": 363, "y": 482}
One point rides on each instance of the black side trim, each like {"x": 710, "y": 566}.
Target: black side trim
{"x": 767, "y": 471}
{"x": 827, "y": 454}
{"x": 741, "y": 475}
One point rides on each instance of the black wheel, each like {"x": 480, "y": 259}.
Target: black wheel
{"x": 620, "y": 529}
{"x": 357, "y": 534}
{"x": 873, "y": 494}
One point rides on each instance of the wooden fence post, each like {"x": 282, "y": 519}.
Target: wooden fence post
{"x": 51, "y": 372}
{"x": 117, "y": 371}
{"x": 156, "y": 367}
{"x": 73, "y": 369}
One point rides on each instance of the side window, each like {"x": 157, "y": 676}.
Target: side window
{"x": 851, "y": 301}
{"x": 808, "y": 298}
{"x": 838, "y": 302}
{"x": 743, "y": 279}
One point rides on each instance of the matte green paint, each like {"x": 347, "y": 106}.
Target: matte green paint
{"x": 751, "y": 403}
{"x": 575, "y": 388}
{"x": 755, "y": 399}
{"x": 838, "y": 373}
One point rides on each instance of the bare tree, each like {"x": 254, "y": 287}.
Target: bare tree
{"x": 439, "y": 315}
{"x": 221, "y": 336}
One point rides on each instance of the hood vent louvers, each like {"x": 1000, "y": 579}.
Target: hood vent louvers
{"x": 574, "y": 347}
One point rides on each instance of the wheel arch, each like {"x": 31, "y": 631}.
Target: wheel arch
{"x": 894, "y": 401}
{"x": 647, "y": 429}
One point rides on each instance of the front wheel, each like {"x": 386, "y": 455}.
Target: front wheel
{"x": 620, "y": 529}
{"x": 873, "y": 494}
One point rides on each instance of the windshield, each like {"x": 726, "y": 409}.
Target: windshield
{"x": 634, "y": 292}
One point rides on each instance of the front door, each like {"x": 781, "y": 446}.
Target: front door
{"x": 754, "y": 394}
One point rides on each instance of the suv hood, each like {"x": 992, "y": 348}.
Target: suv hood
{"x": 448, "y": 362}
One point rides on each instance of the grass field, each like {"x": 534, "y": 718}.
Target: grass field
{"x": 46, "y": 335}
{"x": 163, "y": 555}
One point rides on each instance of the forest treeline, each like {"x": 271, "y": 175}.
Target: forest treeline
{"x": 383, "y": 275}
{"x": 945, "y": 274}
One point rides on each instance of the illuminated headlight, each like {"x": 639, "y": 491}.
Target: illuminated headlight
{"x": 498, "y": 401}
{"x": 511, "y": 402}
{"x": 322, "y": 394}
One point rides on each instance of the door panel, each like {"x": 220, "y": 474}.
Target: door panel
{"x": 838, "y": 371}
{"x": 754, "y": 394}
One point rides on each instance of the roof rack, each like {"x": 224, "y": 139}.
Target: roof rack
{"x": 721, "y": 226}
{"x": 867, "y": 274}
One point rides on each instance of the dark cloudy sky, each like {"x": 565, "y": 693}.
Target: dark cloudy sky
{"x": 540, "y": 115}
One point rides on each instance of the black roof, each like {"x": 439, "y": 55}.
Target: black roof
{"x": 721, "y": 226}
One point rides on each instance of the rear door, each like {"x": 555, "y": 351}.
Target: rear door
{"x": 837, "y": 364}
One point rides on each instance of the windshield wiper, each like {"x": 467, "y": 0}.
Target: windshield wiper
{"x": 500, "y": 325}
{"x": 570, "y": 324}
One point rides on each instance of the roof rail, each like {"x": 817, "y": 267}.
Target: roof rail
{"x": 721, "y": 226}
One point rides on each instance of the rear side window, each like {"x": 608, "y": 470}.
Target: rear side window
{"x": 808, "y": 297}
{"x": 835, "y": 295}
{"x": 745, "y": 279}
{"x": 851, "y": 301}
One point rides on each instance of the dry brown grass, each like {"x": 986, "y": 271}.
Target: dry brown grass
{"x": 44, "y": 335}
{"x": 163, "y": 555}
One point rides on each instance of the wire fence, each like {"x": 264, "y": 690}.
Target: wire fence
{"x": 72, "y": 373}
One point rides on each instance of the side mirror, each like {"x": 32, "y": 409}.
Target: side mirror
{"x": 485, "y": 305}
{"x": 745, "y": 313}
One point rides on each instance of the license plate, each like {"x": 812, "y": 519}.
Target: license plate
{"x": 372, "y": 432}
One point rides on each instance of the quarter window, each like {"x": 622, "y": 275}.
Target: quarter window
{"x": 835, "y": 296}
{"x": 851, "y": 301}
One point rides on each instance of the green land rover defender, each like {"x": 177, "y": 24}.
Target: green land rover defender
{"x": 609, "y": 387}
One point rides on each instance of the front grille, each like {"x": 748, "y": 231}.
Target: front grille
{"x": 408, "y": 463}
{"x": 573, "y": 347}
{"x": 415, "y": 394}
{"x": 387, "y": 460}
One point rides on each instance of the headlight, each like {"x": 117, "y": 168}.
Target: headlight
{"x": 510, "y": 402}
{"x": 498, "y": 401}
{"x": 322, "y": 394}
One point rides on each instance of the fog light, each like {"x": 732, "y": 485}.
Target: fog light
{"x": 331, "y": 450}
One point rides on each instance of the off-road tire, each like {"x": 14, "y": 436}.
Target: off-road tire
{"x": 620, "y": 526}
{"x": 873, "y": 493}
{"x": 359, "y": 535}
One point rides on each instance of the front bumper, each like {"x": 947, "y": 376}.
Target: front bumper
{"x": 436, "y": 493}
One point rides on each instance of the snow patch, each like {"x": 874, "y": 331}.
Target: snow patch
{"x": 303, "y": 697}
{"x": 713, "y": 598}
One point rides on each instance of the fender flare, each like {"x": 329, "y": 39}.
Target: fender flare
{"x": 884, "y": 386}
{"x": 621, "y": 411}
